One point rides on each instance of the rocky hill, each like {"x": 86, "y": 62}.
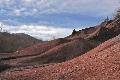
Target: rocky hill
{"x": 63, "y": 49}
{"x": 99, "y": 63}
{"x": 11, "y": 42}
{"x": 88, "y": 54}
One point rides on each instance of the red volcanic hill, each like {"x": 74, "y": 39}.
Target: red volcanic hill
{"x": 101, "y": 63}
{"x": 70, "y": 58}
{"x": 63, "y": 49}
{"x": 54, "y": 51}
{"x": 100, "y": 33}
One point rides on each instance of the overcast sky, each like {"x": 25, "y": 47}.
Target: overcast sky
{"x": 46, "y": 19}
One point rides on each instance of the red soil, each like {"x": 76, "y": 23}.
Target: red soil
{"x": 59, "y": 53}
{"x": 36, "y": 49}
{"x": 101, "y": 63}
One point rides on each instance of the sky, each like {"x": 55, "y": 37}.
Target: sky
{"x": 49, "y": 19}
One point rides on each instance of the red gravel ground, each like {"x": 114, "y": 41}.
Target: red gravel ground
{"x": 101, "y": 63}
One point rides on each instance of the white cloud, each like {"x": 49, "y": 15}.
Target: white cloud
{"x": 40, "y": 31}
{"x": 95, "y": 7}
{"x": 17, "y": 12}
{"x": 92, "y": 7}
{"x": 6, "y": 2}
{"x": 32, "y": 7}
{"x": 27, "y": 1}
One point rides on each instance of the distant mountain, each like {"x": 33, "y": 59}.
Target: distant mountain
{"x": 11, "y": 42}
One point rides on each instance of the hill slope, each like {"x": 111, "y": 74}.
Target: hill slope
{"x": 12, "y": 42}
{"x": 100, "y": 63}
{"x": 60, "y": 50}
{"x": 100, "y": 33}
{"x": 54, "y": 51}
{"x": 65, "y": 58}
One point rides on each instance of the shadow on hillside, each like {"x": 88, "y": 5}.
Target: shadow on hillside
{"x": 4, "y": 67}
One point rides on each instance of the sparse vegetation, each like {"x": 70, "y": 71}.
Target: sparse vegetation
{"x": 117, "y": 14}
{"x": 11, "y": 42}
